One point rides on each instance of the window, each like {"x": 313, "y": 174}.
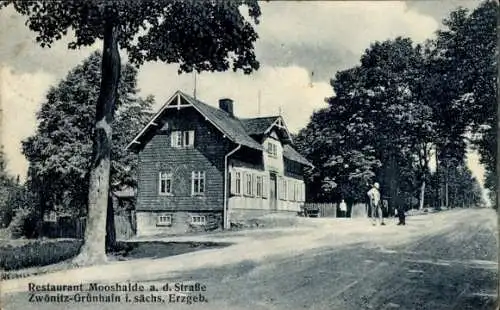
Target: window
{"x": 236, "y": 183}
{"x": 272, "y": 149}
{"x": 258, "y": 186}
{"x": 164, "y": 220}
{"x": 284, "y": 189}
{"x": 198, "y": 182}
{"x": 50, "y": 216}
{"x": 248, "y": 184}
{"x": 181, "y": 139}
{"x": 198, "y": 220}
{"x": 165, "y": 183}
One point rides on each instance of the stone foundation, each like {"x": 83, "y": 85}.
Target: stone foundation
{"x": 147, "y": 222}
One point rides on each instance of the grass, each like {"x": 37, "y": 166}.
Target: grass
{"x": 23, "y": 258}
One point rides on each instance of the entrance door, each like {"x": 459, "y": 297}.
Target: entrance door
{"x": 273, "y": 192}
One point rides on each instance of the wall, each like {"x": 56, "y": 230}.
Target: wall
{"x": 272, "y": 163}
{"x": 181, "y": 223}
{"x": 207, "y": 155}
{"x": 242, "y": 206}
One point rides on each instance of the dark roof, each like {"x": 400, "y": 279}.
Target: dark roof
{"x": 290, "y": 153}
{"x": 258, "y": 125}
{"x": 229, "y": 125}
{"x": 236, "y": 129}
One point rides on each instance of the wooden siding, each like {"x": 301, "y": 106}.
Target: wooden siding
{"x": 158, "y": 156}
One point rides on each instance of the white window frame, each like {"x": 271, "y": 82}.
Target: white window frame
{"x": 237, "y": 182}
{"x": 164, "y": 220}
{"x": 272, "y": 149}
{"x": 259, "y": 185}
{"x": 248, "y": 184}
{"x": 198, "y": 220}
{"x": 165, "y": 176}
{"x": 198, "y": 176}
{"x": 182, "y": 139}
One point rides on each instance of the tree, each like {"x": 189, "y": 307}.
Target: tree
{"x": 61, "y": 148}
{"x": 467, "y": 48}
{"x": 199, "y": 35}
{"x": 7, "y": 188}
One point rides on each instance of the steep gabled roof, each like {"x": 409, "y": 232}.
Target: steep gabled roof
{"x": 230, "y": 125}
{"x": 258, "y": 125}
{"x": 290, "y": 153}
{"x": 239, "y": 131}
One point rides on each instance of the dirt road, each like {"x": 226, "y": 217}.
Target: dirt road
{"x": 440, "y": 261}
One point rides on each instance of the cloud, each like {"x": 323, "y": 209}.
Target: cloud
{"x": 327, "y": 36}
{"x": 288, "y": 88}
{"x": 20, "y": 97}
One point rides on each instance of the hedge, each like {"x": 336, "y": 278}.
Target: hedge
{"x": 34, "y": 253}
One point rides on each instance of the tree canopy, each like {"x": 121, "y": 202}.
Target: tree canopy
{"x": 60, "y": 151}
{"x": 198, "y": 35}
{"x": 401, "y": 105}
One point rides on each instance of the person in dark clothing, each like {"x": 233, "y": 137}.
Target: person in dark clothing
{"x": 401, "y": 215}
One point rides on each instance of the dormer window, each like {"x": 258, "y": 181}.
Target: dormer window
{"x": 181, "y": 139}
{"x": 272, "y": 149}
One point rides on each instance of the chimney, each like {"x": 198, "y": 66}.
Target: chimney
{"x": 226, "y": 104}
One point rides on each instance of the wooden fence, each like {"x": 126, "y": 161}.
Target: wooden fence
{"x": 330, "y": 209}
{"x": 325, "y": 209}
{"x": 75, "y": 228}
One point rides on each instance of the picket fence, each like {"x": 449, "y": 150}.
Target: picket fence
{"x": 124, "y": 227}
{"x": 325, "y": 209}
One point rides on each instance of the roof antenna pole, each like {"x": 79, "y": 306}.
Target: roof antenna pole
{"x": 279, "y": 111}
{"x": 258, "y": 104}
{"x": 194, "y": 90}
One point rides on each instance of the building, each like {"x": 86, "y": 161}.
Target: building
{"x": 201, "y": 168}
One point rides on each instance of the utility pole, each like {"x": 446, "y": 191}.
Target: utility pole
{"x": 194, "y": 88}
{"x": 258, "y": 103}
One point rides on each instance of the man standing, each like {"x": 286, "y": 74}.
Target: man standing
{"x": 343, "y": 209}
{"x": 375, "y": 206}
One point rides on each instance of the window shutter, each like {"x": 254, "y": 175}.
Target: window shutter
{"x": 264, "y": 186}
{"x": 244, "y": 183}
{"x": 191, "y": 137}
{"x": 173, "y": 139}
{"x": 232, "y": 182}
{"x": 252, "y": 184}
{"x": 192, "y": 183}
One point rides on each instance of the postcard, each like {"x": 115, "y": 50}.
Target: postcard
{"x": 248, "y": 155}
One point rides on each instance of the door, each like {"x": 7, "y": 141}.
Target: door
{"x": 273, "y": 192}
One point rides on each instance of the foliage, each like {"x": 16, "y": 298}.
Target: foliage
{"x": 7, "y": 188}
{"x": 25, "y": 222}
{"x": 403, "y": 103}
{"x": 61, "y": 148}
{"x": 33, "y": 253}
{"x": 377, "y": 124}
{"x": 199, "y": 35}
{"x": 467, "y": 47}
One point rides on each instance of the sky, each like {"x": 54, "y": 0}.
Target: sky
{"x": 301, "y": 46}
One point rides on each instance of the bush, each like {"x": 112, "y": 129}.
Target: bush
{"x": 24, "y": 224}
{"x": 34, "y": 253}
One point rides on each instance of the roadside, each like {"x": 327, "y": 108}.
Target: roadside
{"x": 287, "y": 242}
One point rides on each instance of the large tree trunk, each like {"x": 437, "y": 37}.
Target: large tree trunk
{"x": 422, "y": 195}
{"x": 93, "y": 249}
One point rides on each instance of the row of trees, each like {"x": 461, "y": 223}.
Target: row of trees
{"x": 404, "y": 106}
